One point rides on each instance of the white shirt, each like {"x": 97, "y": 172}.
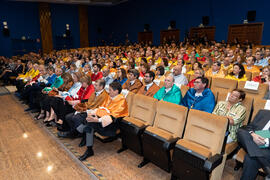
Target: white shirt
{"x": 167, "y": 90}
{"x": 99, "y": 92}
{"x": 180, "y": 79}
{"x": 132, "y": 82}
{"x": 148, "y": 85}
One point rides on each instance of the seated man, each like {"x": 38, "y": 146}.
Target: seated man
{"x": 200, "y": 97}
{"x": 150, "y": 88}
{"x": 74, "y": 120}
{"x": 215, "y": 70}
{"x": 179, "y": 78}
{"x": 103, "y": 119}
{"x": 133, "y": 84}
{"x": 250, "y": 67}
{"x": 234, "y": 111}
{"x": 170, "y": 92}
{"x": 256, "y": 146}
{"x": 97, "y": 74}
{"x": 107, "y": 76}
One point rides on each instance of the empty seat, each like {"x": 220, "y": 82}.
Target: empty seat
{"x": 199, "y": 155}
{"x": 260, "y": 93}
{"x": 159, "y": 140}
{"x": 223, "y": 85}
{"x": 142, "y": 114}
{"x": 248, "y": 75}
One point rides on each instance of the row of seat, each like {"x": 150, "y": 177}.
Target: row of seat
{"x": 167, "y": 122}
{"x": 162, "y": 132}
{"x": 225, "y": 85}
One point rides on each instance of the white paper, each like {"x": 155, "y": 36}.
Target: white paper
{"x": 125, "y": 92}
{"x": 252, "y": 85}
{"x": 227, "y": 98}
{"x": 267, "y": 105}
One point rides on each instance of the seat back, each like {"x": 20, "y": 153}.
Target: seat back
{"x": 260, "y": 93}
{"x": 258, "y": 105}
{"x": 144, "y": 108}
{"x": 248, "y": 75}
{"x": 206, "y": 129}
{"x": 171, "y": 118}
{"x": 248, "y": 103}
{"x": 129, "y": 100}
{"x": 254, "y": 74}
{"x": 222, "y": 84}
{"x": 184, "y": 90}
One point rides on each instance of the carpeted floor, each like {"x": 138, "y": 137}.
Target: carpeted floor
{"x": 4, "y": 91}
{"x": 107, "y": 164}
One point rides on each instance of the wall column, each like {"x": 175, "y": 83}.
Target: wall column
{"x": 45, "y": 27}
{"x": 83, "y": 20}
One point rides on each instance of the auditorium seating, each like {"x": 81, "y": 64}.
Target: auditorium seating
{"x": 260, "y": 93}
{"x": 199, "y": 155}
{"x": 158, "y": 140}
{"x": 184, "y": 90}
{"x": 223, "y": 85}
{"x": 142, "y": 114}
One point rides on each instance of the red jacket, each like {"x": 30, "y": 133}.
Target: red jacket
{"x": 83, "y": 93}
{"x": 97, "y": 76}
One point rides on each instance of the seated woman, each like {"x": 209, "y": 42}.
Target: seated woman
{"x": 160, "y": 71}
{"x": 234, "y": 111}
{"x": 143, "y": 69}
{"x": 164, "y": 62}
{"x": 59, "y": 106}
{"x": 265, "y": 79}
{"x": 238, "y": 73}
{"x": 197, "y": 73}
{"x": 103, "y": 119}
{"x": 195, "y": 66}
{"x": 121, "y": 76}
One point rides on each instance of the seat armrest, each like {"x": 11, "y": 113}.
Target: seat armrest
{"x": 170, "y": 144}
{"x": 211, "y": 163}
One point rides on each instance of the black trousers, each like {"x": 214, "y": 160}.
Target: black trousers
{"x": 61, "y": 107}
{"x": 75, "y": 120}
{"x": 255, "y": 158}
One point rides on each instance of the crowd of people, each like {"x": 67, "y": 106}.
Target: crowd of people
{"x": 82, "y": 91}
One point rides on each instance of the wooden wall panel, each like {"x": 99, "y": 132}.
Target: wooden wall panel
{"x": 45, "y": 27}
{"x": 167, "y": 36}
{"x": 83, "y": 19}
{"x": 251, "y": 32}
{"x": 145, "y": 37}
{"x": 198, "y": 32}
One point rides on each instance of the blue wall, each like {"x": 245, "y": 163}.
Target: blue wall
{"x": 131, "y": 16}
{"x": 22, "y": 19}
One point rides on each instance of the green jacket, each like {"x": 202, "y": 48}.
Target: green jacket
{"x": 57, "y": 83}
{"x": 173, "y": 96}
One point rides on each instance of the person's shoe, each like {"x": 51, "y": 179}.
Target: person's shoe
{"x": 83, "y": 141}
{"x": 67, "y": 134}
{"x": 267, "y": 171}
{"x": 89, "y": 152}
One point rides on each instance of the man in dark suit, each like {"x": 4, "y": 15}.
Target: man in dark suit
{"x": 256, "y": 157}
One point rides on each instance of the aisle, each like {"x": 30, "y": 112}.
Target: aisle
{"x": 27, "y": 151}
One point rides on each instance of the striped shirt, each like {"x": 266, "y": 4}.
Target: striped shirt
{"x": 237, "y": 112}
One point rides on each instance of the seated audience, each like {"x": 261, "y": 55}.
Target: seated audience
{"x": 150, "y": 88}
{"x": 133, "y": 84}
{"x": 249, "y": 66}
{"x": 121, "y": 76}
{"x": 256, "y": 146}
{"x": 104, "y": 119}
{"x": 238, "y": 73}
{"x": 179, "y": 78}
{"x": 169, "y": 92}
{"x": 97, "y": 74}
{"x": 215, "y": 71}
{"x": 197, "y": 73}
{"x": 234, "y": 111}
{"x": 200, "y": 97}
